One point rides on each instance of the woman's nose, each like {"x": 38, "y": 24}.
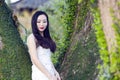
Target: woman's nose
{"x": 41, "y": 23}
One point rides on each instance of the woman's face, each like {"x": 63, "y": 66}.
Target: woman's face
{"x": 41, "y": 22}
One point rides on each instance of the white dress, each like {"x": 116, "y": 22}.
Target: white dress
{"x": 44, "y": 56}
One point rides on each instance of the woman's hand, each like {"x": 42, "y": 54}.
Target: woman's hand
{"x": 52, "y": 77}
{"x": 57, "y": 76}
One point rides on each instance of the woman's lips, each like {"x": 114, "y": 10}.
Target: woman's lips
{"x": 41, "y": 27}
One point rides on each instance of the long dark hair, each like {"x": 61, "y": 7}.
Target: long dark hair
{"x": 46, "y": 41}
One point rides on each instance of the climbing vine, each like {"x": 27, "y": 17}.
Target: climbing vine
{"x": 104, "y": 72}
{"x": 109, "y": 68}
{"x": 115, "y": 56}
{"x": 80, "y": 61}
{"x": 69, "y": 11}
{"x": 83, "y": 9}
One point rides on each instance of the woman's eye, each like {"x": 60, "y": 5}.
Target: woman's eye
{"x": 38, "y": 21}
{"x": 41, "y": 21}
{"x": 44, "y": 21}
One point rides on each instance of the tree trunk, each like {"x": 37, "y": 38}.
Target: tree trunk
{"x": 81, "y": 59}
{"x": 14, "y": 58}
{"x": 106, "y": 17}
{"x": 110, "y": 17}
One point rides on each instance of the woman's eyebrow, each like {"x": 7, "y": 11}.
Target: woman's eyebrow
{"x": 42, "y": 19}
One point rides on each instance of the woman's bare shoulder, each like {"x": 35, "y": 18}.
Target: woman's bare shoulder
{"x": 30, "y": 38}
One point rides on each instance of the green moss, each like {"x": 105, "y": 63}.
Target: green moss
{"x": 104, "y": 66}
{"x": 69, "y": 13}
{"x": 83, "y": 8}
{"x": 115, "y": 55}
{"x": 82, "y": 60}
{"x": 14, "y": 59}
{"x": 109, "y": 69}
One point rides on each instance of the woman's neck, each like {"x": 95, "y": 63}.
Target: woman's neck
{"x": 42, "y": 34}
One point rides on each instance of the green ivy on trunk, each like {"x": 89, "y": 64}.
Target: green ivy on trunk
{"x": 14, "y": 58}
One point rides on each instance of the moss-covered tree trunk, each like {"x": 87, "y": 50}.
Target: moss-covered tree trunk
{"x": 14, "y": 59}
{"x": 110, "y": 19}
{"x": 82, "y": 56}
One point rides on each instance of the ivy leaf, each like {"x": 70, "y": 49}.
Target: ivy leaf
{"x": 92, "y": 1}
{"x": 79, "y": 1}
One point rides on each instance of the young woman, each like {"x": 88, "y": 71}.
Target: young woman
{"x": 40, "y": 46}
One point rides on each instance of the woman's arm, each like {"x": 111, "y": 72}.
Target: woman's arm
{"x": 56, "y": 73}
{"x": 33, "y": 55}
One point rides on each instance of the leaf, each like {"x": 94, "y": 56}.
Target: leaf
{"x": 79, "y": 1}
